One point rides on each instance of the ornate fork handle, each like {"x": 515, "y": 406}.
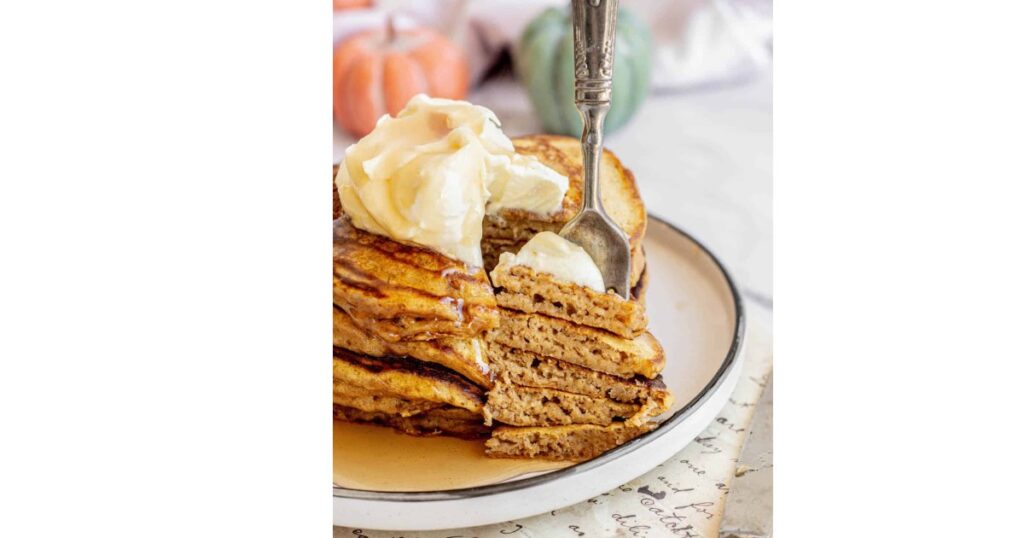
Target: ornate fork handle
{"x": 594, "y": 48}
{"x": 594, "y": 54}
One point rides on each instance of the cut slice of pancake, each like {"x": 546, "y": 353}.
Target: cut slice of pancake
{"x": 465, "y": 356}
{"x": 379, "y": 402}
{"x": 526, "y": 290}
{"x": 528, "y": 406}
{"x": 492, "y": 249}
{"x": 532, "y": 370}
{"x": 592, "y": 348}
{"x": 561, "y": 443}
{"x": 442, "y": 421}
{"x": 404, "y": 292}
{"x": 407, "y": 378}
{"x": 619, "y": 193}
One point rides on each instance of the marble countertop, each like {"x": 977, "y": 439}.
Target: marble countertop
{"x": 703, "y": 159}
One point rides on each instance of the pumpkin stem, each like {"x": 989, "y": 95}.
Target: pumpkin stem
{"x": 389, "y": 29}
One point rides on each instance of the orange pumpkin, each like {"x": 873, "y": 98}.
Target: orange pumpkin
{"x": 377, "y": 71}
{"x": 340, "y": 5}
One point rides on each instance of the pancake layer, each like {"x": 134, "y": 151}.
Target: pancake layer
{"x": 406, "y": 378}
{"x": 442, "y": 421}
{"x": 574, "y": 443}
{"x": 592, "y": 348}
{"x": 462, "y": 355}
{"x": 526, "y": 290}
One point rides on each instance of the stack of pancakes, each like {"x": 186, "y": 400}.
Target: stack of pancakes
{"x": 408, "y": 327}
{"x": 558, "y": 372}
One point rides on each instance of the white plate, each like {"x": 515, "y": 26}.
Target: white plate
{"x": 696, "y": 314}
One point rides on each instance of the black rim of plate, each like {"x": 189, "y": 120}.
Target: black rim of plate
{"x": 621, "y": 450}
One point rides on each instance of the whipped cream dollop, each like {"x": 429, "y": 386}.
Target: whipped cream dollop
{"x": 428, "y": 175}
{"x": 548, "y": 252}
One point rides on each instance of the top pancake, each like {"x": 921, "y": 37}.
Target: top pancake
{"x": 619, "y": 193}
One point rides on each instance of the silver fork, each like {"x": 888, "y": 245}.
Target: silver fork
{"x": 593, "y": 27}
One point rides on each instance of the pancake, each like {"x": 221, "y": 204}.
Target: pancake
{"x": 531, "y": 370}
{"x": 406, "y": 378}
{"x": 442, "y": 421}
{"x": 575, "y": 442}
{"x": 526, "y": 290}
{"x": 464, "y": 356}
{"x": 588, "y": 347}
{"x": 529, "y": 406}
{"x": 379, "y": 402}
{"x": 403, "y": 292}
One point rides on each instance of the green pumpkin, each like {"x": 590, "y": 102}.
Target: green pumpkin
{"x": 544, "y": 62}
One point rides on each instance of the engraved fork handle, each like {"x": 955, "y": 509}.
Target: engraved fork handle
{"x": 593, "y": 32}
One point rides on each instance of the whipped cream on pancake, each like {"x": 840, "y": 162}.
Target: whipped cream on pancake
{"x": 548, "y": 252}
{"x": 428, "y": 175}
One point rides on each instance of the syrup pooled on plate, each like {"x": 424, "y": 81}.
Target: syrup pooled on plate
{"x": 380, "y": 459}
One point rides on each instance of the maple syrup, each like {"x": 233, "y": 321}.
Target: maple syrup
{"x": 381, "y": 459}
